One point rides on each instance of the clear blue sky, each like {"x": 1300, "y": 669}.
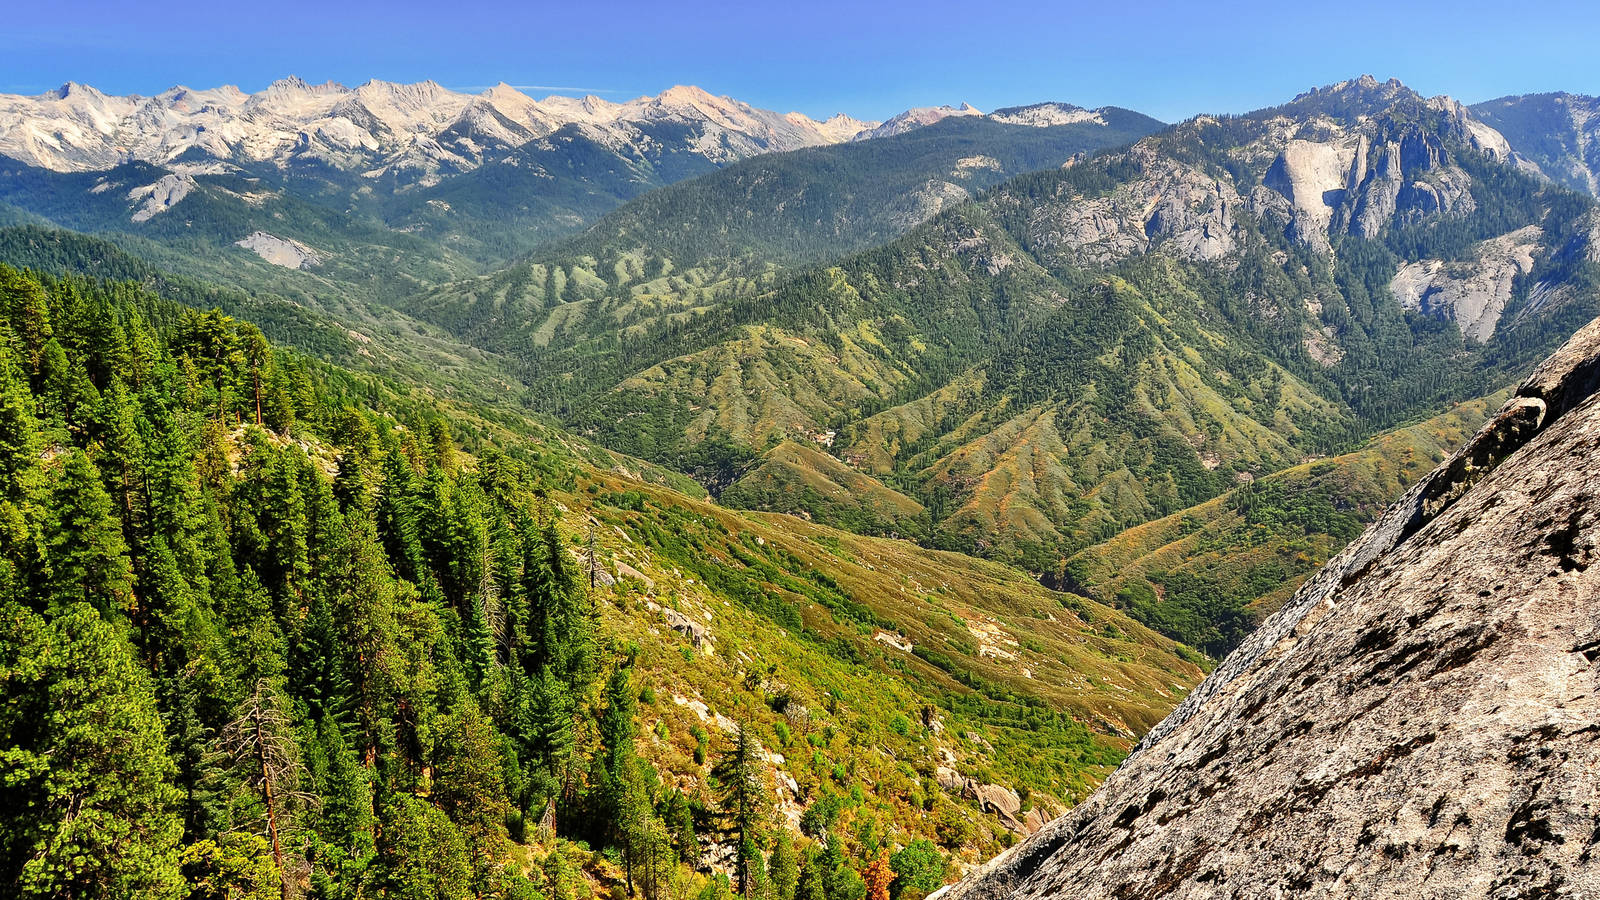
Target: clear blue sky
{"x": 1168, "y": 59}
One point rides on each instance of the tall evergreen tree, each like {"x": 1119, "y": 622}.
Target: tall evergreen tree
{"x": 87, "y": 804}
{"x": 88, "y": 558}
{"x": 746, "y": 802}
{"x": 783, "y": 867}
{"x": 469, "y": 785}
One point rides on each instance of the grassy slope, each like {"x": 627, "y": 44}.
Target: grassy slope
{"x": 794, "y": 477}
{"x": 1248, "y": 550}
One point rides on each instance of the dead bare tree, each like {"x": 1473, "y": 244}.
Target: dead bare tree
{"x": 260, "y": 742}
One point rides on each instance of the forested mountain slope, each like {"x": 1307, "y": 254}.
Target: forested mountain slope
{"x": 1084, "y": 349}
{"x": 321, "y": 322}
{"x": 685, "y": 244}
{"x": 274, "y": 627}
{"x": 1556, "y": 132}
{"x": 1208, "y": 575}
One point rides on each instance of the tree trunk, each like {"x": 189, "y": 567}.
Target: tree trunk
{"x": 272, "y": 813}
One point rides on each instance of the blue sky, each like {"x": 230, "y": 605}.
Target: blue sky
{"x": 1168, "y": 59}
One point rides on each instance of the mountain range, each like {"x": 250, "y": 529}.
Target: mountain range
{"x": 412, "y": 132}
{"x": 1245, "y": 265}
{"x": 944, "y": 456}
{"x": 492, "y": 173}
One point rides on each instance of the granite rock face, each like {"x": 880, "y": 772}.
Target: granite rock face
{"x": 1475, "y": 293}
{"x": 1421, "y": 720}
{"x": 1166, "y": 204}
{"x": 1316, "y": 169}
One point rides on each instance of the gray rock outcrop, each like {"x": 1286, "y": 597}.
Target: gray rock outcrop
{"x": 698, "y": 634}
{"x": 1472, "y": 293}
{"x": 1169, "y": 206}
{"x": 998, "y": 800}
{"x": 1418, "y": 721}
{"x": 286, "y": 252}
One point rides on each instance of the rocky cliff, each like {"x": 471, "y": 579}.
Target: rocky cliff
{"x": 1420, "y": 720}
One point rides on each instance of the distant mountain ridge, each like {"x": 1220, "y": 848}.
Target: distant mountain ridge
{"x": 376, "y": 127}
{"x": 415, "y": 131}
{"x": 1559, "y": 132}
{"x": 489, "y": 175}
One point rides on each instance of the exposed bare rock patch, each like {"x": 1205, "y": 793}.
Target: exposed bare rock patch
{"x": 1172, "y": 206}
{"x": 290, "y": 254}
{"x": 1474, "y": 293}
{"x": 155, "y": 199}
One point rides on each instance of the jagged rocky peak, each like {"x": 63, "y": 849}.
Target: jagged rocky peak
{"x": 844, "y": 127}
{"x": 73, "y": 89}
{"x": 1353, "y": 158}
{"x": 917, "y": 117}
{"x": 1353, "y": 99}
{"x": 375, "y": 128}
{"x": 1419, "y": 720}
{"x": 1357, "y": 156}
{"x": 294, "y": 88}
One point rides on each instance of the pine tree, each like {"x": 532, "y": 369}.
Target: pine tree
{"x": 624, "y": 801}
{"x": 746, "y": 801}
{"x": 468, "y": 784}
{"x": 87, "y": 804}
{"x": 261, "y": 743}
{"x": 19, "y": 430}
{"x": 83, "y": 537}
{"x": 257, "y": 356}
{"x": 680, "y": 826}
{"x": 344, "y": 818}
{"x": 783, "y": 867}
{"x": 21, "y": 552}
{"x": 27, "y": 309}
{"x": 616, "y": 725}
{"x": 560, "y": 614}
{"x": 366, "y": 607}
{"x": 919, "y": 870}
{"x": 544, "y": 723}
{"x": 812, "y": 884}
{"x": 423, "y": 856}
{"x": 119, "y": 451}
{"x": 839, "y": 880}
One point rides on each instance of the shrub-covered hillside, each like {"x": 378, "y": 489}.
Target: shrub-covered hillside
{"x": 269, "y": 628}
